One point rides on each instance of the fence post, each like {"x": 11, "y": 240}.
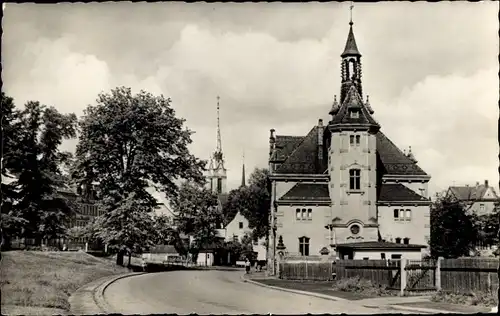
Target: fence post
{"x": 403, "y": 276}
{"x": 306, "y": 268}
{"x": 438, "y": 273}
{"x": 86, "y": 247}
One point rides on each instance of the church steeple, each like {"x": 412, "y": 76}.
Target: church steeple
{"x": 351, "y": 64}
{"x": 243, "y": 182}
{"x": 217, "y": 171}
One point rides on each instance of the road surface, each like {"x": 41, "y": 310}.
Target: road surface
{"x": 215, "y": 292}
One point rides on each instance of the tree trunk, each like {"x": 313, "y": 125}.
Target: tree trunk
{"x": 129, "y": 259}
{"x": 206, "y": 259}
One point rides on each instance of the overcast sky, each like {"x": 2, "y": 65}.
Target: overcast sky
{"x": 431, "y": 70}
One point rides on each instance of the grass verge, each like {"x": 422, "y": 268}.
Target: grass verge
{"x": 47, "y": 279}
{"x": 471, "y": 298}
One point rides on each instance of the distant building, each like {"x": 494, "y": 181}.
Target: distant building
{"x": 480, "y": 199}
{"x": 346, "y": 182}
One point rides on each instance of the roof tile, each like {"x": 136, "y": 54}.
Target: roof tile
{"x": 396, "y": 192}
{"x": 308, "y": 191}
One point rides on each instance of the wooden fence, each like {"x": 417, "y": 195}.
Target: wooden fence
{"x": 407, "y": 276}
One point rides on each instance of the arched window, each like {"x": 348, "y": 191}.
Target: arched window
{"x": 304, "y": 246}
{"x": 355, "y": 179}
{"x": 352, "y": 69}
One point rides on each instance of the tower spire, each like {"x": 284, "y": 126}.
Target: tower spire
{"x": 351, "y": 7}
{"x": 243, "y": 182}
{"x": 219, "y": 141}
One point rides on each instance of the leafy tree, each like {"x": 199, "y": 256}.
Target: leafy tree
{"x": 128, "y": 143}
{"x": 488, "y": 226}
{"x": 128, "y": 225}
{"x": 197, "y": 215}
{"x": 31, "y": 155}
{"x": 453, "y": 231}
{"x": 253, "y": 202}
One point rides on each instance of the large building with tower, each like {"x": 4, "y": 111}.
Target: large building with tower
{"x": 345, "y": 188}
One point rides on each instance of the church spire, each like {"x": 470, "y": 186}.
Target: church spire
{"x": 243, "y": 182}
{"x": 218, "y": 156}
{"x": 351, "y": 49}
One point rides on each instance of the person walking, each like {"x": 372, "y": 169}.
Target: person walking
{"x": 247, "y": 266}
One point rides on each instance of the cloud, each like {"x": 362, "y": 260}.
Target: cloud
{"x": 274, "y": 66}
{"x": 451, "y": 123}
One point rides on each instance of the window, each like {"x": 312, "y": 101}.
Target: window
{"x": 481, "y": 208}
{"x": 366, "y": 258}
{"x": 354, "y": 141}
{"x": 351, "y": 140}
{"x": 427, "y": 238}
{"x": 304, "y": 214}
{"x": 402, "y": 214}
{"x": 354, "y": 114}
{"x": 219, "y": 185}
{"x": 355, "y": 179}
{"x": 355, "y": 229}
{"x": 358, "y": 140}
{"x": 304, "y": 246}
{"x": 408, "y": 215}
{"x": 396, "y": 214}
{"x": 398, "y": 240}
{"x": 382, "y": 256}
{"x": 240, "y": 225}
{"x": 395, "y": 257}
{"x": 235, "y": 238}
{"x": 406, "y": 240}
{"x": 309, "y": 214}
{"x": 297, "y": 214}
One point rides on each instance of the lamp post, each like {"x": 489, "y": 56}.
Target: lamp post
{"x": 333, "y": 237}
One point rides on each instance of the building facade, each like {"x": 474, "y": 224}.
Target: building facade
{"x": 345, "y": 181}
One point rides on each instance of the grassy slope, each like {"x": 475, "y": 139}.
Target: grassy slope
{"x": 47, "y": 279}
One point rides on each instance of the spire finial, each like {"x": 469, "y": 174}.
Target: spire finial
{"x": 350, "y": 8}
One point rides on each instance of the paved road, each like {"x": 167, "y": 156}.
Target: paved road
{"x": 214, "y": 292}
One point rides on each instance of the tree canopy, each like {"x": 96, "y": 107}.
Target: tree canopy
{"x": 32, "y": 205}
{"x": 197, "y": 214}
{"x": 253, "y": 202}
{"x": 453, "y": 231}
{"x": 127, "y": 144}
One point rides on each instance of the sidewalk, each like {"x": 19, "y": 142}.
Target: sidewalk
{"x": 418, "y": 304}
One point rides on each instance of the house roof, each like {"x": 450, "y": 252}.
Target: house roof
{"x": 299, "y": 156}
{"x": 303, "y": 158}
{"x": 308, "y": 191}
{"x": 468, "y": 193}
{"x": 394, "y": 161}
{"x": 371, "y": 245}
{"x": 164, "y": 249}
{"x": 389, "y": 192}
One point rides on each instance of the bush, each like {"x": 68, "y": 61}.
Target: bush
{"x": 361, "y": 286}
{"x": 471, "y": 298}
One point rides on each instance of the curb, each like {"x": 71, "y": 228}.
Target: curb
{"x": 325, "y": 297}
{"x": 89, "y": 299}
{"x": 99, "y": 291}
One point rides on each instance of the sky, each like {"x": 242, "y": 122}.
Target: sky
{"x": 430, "y": 69}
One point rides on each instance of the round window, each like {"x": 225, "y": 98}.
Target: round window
{"x": 355, "y": 229}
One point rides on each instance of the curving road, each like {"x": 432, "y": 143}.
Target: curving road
{"x": 214, "y": 292}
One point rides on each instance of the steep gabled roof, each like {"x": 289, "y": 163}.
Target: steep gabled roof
{"x": 285, "y": 145}
{"x": 394, "y": 160}
{"x": 307, "y": 191}
{"x": 353, "y": 101}
{"x": 396, "y": 192}
{"x": 303, "y": 159}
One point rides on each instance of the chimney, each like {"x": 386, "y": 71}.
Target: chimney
{"x": 486, "y": 183}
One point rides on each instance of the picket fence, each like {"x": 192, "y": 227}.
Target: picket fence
{"x": 407, "y": 276}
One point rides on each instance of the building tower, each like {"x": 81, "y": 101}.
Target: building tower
{"x": 352, "y": 154}
{"x": 217, "y": 173}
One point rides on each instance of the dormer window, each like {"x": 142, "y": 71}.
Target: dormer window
{"x": 354, "y": 114}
